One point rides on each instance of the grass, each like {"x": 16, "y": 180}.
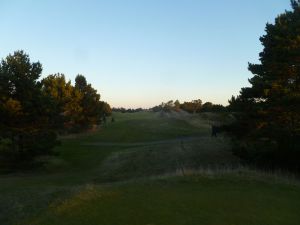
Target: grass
{"x": 192, "y": 200}
{"x": 146, "y": 126}
{"x": 145, "y": 169}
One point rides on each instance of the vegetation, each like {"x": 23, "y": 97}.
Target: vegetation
{"x": 166, "y": 165}
{"x": 25, "y": 111}
{"x": 268, "y": 116}
{"x": 194, "y": 106}
{"x": 123, "y": 110}
{"x": 148, "y": 168}
{"x": 32, "y": 112}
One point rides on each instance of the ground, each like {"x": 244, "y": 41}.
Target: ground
{"x": 148, "y": 168}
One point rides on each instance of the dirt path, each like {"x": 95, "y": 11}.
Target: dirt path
{"x": 146, "y": 143}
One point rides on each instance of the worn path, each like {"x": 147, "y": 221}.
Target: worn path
{"x": 126, "y": 144}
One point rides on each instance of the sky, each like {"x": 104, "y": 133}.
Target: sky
{"x": 139, "y": 53}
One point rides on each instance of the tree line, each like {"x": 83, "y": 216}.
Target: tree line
{"x": 129, "y": 110}
{"x": 194, "y": 106}
{"x": 34, "y": 111}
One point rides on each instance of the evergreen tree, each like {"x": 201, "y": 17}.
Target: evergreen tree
{"x": 92, "y": 108}
{"x": 66, "y": 100}
{"x": 24, "y": 110}
{"x": 269, "y": 110}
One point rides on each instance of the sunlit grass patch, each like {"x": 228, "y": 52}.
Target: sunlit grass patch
{"x": 84, "y": 196}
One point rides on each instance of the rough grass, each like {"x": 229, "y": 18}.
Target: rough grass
{"x": 186, "y": 200}
{"x": 148, "y": 168}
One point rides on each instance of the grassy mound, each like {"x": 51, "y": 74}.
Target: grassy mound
{"x": 147, "y": 168}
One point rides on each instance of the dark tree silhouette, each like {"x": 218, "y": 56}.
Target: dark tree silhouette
{"x": 25, "y": 110}
{"x": 268, "y": 112}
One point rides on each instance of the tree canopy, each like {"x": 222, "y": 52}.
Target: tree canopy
{"x": 34, "y": 111}
{"x": 25, "y": 111}
{"x": 268, "y": 112}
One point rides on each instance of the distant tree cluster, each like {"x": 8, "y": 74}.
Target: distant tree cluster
{"x": 268, "y": 112}
{"x": 123, "y": 110}
{"x": 33, "y": 111}
{"x": 194, "y": 106}
{"x": 167, "y": 107}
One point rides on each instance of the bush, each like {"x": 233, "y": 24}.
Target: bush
{"x": 21, "y": 150}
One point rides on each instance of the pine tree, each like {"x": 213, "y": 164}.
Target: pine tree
{"x": 269, "y": 110}
{"x": 24, "y": 110}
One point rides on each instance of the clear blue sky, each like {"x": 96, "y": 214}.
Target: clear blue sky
{"x": 138, "y": 53}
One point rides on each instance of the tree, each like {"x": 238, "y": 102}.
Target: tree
{"x": 197, "y": 105}
{"x": 25, "y": 110}
{"x": 106, "y": 109}
{"x": 66, "y": 100}
{"x": 207, "y": 107}
{"x": 210, "y": 107}
{"x": 269, "y": 109}
{"x": 80, "y": 82}
{"x": 177, "y": 105}
{"x": 60, "y": 92}
{"x": 192, "y": 107}
{"x": 92, "y": 108}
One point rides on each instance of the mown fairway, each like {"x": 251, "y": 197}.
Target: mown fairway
{"x": 147, "y": 168}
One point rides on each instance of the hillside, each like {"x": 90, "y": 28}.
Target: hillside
{"x": 148, "y": 168}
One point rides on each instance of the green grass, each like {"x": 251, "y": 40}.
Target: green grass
{"x": 144, "y": 169}
{"x": 192, "y": 200}
{"x": 146, "y": 126}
